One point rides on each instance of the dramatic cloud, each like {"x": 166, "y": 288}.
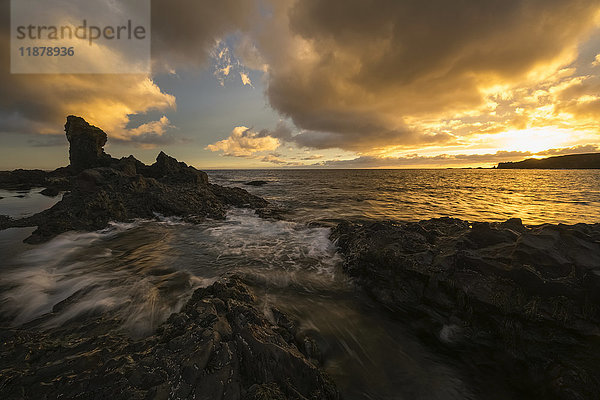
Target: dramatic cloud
{"x": 227, "y": 66}
{"x": 152, "y": 134}
{"x": 245, "y": 79}
{"x": 380, "y": 79}
{"x": 243, "y": 142}
{"x": 580, "y": 97}
{"x": 360, "y": 75}
{"x": 39, "y": 103}
{"x": 184, "y": 34}
{"x": 246, "y": 143}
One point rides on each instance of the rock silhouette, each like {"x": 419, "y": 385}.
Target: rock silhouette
{"x": 100, "y": 189}
{"x": 86, "y": 144}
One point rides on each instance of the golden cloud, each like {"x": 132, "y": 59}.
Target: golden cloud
{"x": 243, "y": 142}
{"x": 363, "y": 75}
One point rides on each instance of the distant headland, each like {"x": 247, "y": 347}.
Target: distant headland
{"x": 575, "y": 161}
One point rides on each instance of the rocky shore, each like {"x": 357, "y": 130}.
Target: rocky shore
{"x": 100, "y": 189}
{"x": 518, "y": 304}
{"x": 220, "y": 346}
{"x": 518, "y": 301}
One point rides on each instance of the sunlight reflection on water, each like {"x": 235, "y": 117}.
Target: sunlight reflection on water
{"x": 535, "y": 196}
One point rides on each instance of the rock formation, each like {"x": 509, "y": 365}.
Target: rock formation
{"x": 21, "y": 179}
{"x": 218, "y": 347}
{"x": 169, "y": 170}
{"x": 499, "y": 296}
{"x": 86, "y": 142}
{"x": 100, "y": 189}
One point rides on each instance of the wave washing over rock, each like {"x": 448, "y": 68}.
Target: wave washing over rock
{"x": 220, "y": 346}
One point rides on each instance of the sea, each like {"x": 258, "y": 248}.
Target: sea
{"x": 142, "y": 271}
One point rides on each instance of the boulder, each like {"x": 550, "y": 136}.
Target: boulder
{"x": 50, "y": 191}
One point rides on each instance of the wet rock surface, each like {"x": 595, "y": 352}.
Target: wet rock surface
{"x": 21, "y": 179}
{"x": 520, "y": 302}
{"x": 51, "y": 191}
{"x": 218, "y": 347}
{"x": 100, "y": 189}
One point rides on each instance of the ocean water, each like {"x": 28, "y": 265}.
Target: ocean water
{"x": 535, "y": 196}
{"x": 143, "y": 271}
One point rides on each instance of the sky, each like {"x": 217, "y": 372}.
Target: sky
{"x": 329, "y": 84}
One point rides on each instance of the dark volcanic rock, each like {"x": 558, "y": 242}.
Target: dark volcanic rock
{"x": 169, "y": 170}
{"x": 21, "y": 179}
{"x": 50, "y": 191}
{"x": 87, "y": 142}
{"x": 218, "y": 347}
{"x": 101, "y": 189}
{"x": 528, "y": 296}
{"x": 101, "y": 195}
{"x": 238, "y": 197}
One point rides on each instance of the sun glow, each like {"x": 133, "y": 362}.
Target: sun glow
{"x": 535, "y": 139}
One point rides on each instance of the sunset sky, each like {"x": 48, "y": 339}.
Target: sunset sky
{"x": 330, "y": 83}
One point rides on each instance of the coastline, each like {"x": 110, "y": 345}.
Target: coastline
{"x": 503, "y": 296}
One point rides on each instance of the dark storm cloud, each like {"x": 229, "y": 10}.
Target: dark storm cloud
{"x": 282, "y": 131}
{"x": 184, "y": 32}
{"x": 357, "y": 69}
{"x": 360, "y": 140}
{"x": 351, "y": 74}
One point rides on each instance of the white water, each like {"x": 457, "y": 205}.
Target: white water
{"x": 143, "y": 271}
